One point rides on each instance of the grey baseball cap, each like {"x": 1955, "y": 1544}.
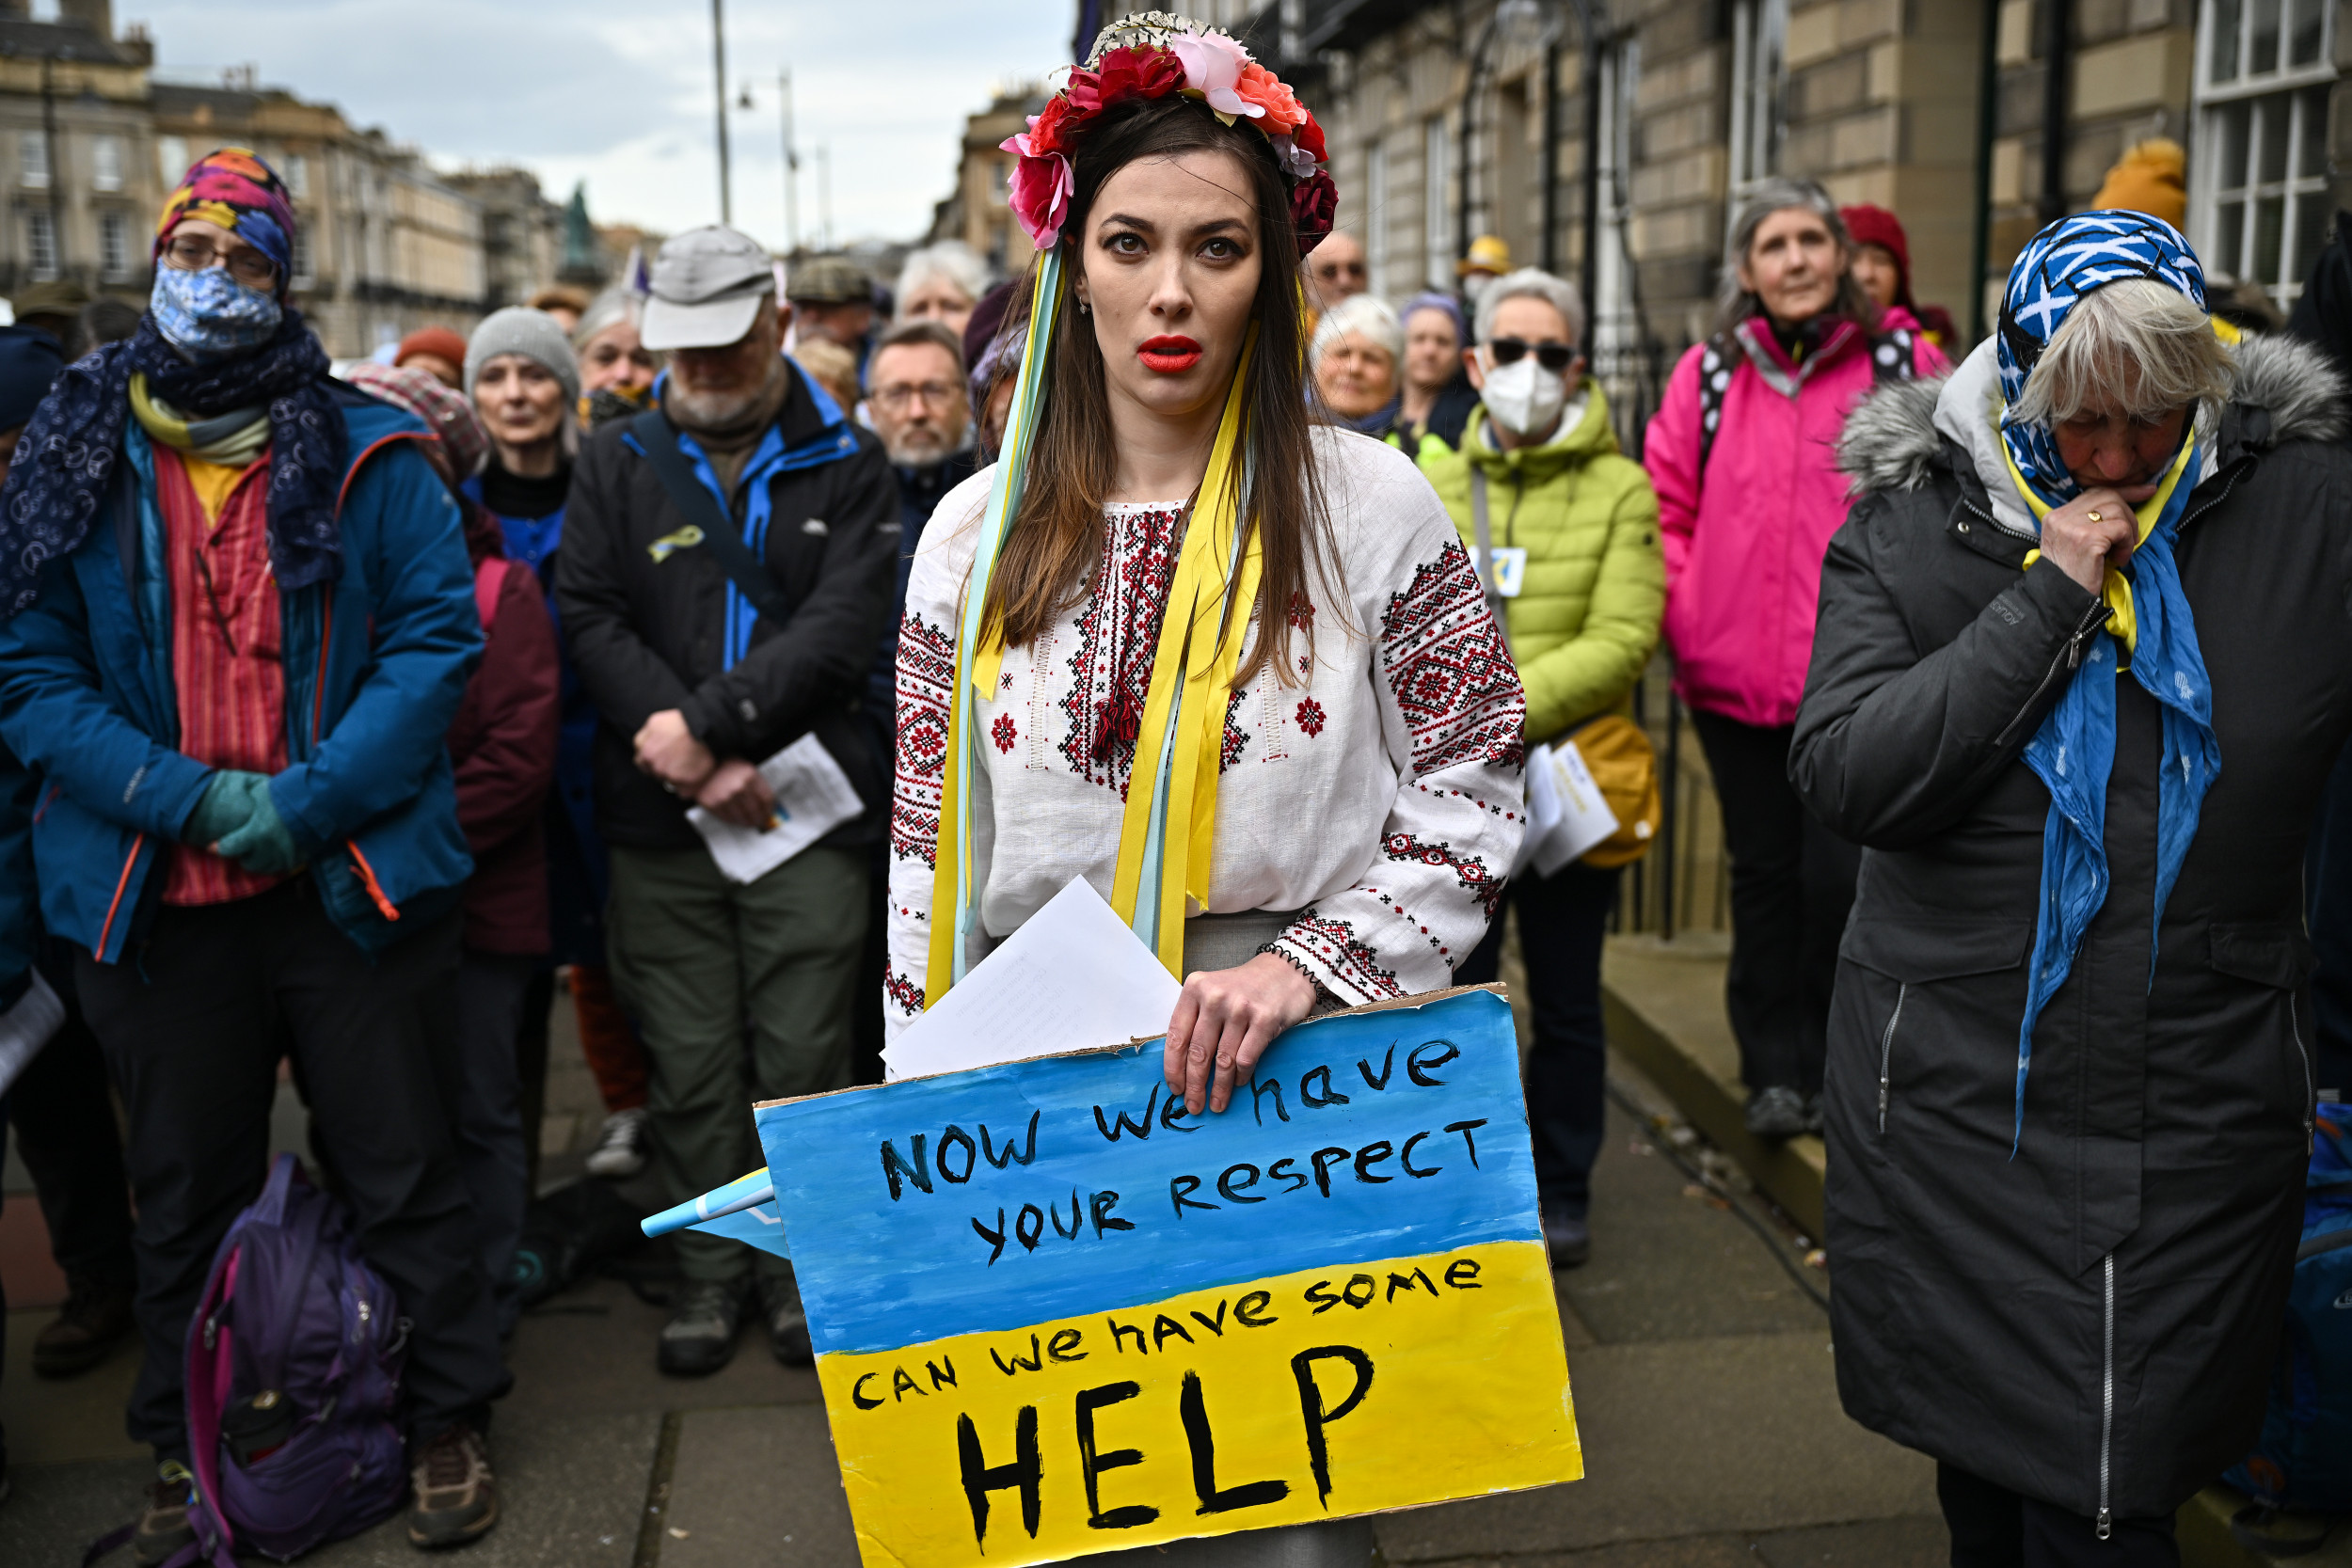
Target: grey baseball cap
{"x": 708, "y": 284}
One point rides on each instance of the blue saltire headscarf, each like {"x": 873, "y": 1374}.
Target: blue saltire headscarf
{"x": 2074, "y": 751}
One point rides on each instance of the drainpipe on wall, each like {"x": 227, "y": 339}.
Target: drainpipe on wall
{"x": 2058, "y": 57}
{"x": 1988, "y": 108}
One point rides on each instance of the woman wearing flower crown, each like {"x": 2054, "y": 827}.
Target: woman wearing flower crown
{"x": 1233, "y": 667}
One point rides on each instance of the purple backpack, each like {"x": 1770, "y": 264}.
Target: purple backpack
{"x": 294, "y": 1370}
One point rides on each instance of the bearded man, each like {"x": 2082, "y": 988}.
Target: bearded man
{"x": 723, "y": 586}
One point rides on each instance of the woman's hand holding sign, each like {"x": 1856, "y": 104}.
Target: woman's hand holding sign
{"x": 1226, "y": 1018}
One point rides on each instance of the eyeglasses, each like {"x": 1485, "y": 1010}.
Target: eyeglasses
{"x": 1340, "y": 269}
{"x": 194, "y": 253}
{"x": 1554, "y": 357}
{"x": 894, "y": 398}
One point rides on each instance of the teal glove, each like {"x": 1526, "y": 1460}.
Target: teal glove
{"x": 262, "y": 844}
{"x": 225, "y": 805}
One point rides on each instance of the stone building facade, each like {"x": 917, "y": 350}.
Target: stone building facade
{"x": 1473, "y": 116}
{"x": 91, "y": 141}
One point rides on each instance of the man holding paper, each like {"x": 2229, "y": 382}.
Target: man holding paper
{"x": 1566, "y": 534}
{"x": 724, "y": 584}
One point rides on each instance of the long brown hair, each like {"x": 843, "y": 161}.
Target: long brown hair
{"x": 1054, "y": 548}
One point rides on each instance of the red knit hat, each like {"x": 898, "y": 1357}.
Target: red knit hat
{"x": 1869, "y": 225}
{"x": 432, "y": 340}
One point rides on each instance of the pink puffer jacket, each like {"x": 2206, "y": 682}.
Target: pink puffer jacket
{"x": 1743, "y": 549}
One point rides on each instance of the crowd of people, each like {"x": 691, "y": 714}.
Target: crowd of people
{"x": 350, "y": 720}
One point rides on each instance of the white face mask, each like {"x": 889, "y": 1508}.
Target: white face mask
{"x": 1523, "y": 397}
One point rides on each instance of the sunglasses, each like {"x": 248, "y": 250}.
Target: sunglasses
{"x": 1554, "y": 357}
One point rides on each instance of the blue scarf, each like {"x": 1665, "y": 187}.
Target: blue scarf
{"x": 2074, "y": 751}
{"x": 68, "y": 451}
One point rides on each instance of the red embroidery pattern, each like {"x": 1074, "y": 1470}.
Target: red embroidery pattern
{"x": 1310, "y": 716}
{"x": 1235, "y": 737}
{"x": 927, "y": 675}
{"x": 1449, "y": 669}
{"x": 1469, "y": 870}
{"x": 1302, "y": 612}
{"x": 904, "y": 993}
{"x": 1118, "y": 632}
{"x": 1335, "y": 944}
{"x": 1003, "y": 733}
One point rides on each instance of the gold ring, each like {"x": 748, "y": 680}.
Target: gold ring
{"x": 2093, "y": 515}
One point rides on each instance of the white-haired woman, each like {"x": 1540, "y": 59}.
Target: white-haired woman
{"x": 2082, "y": 671}
{"x": 1356, "y": 351}
{"x": 616, "y": 370}
{"x": 941, "y": 283}
{"x": 1748, "y": 495}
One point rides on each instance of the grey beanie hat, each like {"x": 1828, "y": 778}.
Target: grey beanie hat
{"x": 533, "y": 334}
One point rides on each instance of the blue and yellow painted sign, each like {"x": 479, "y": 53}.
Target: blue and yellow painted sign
{"x": 1055, "y": 1314}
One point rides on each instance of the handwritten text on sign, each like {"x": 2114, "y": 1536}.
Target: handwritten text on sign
{"x": 1055, "y": 1314}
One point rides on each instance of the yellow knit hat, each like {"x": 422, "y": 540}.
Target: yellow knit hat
{"x": 2151, "y": 178}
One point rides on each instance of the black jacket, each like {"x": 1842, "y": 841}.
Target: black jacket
{"x": 646, "y": 634}
{"x": 2091, "y": 1323}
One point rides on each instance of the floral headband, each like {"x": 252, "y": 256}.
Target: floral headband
{"x": 1153, "y": 54}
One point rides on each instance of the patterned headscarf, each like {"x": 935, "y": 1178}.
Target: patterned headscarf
{"x": 235, "y": 189}
{"x": 2065, "y": 261}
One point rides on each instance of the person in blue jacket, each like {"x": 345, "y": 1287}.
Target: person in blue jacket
{"x": 236, "y": 619}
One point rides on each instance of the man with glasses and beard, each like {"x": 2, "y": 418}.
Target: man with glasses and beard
{"x": 723, "y": 585}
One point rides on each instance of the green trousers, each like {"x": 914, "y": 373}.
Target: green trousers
{"x": 744, "y": 993}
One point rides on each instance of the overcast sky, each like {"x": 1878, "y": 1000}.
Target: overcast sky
{"x": 618, "y": 92}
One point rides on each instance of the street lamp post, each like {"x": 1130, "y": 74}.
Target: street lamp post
{"x": 791, "y": 171}
{"x": 719, "y": 79}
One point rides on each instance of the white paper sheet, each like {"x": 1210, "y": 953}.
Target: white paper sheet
{"x": 1584, "y": 818}
{"x": 1073, "y": 976}
{"x": 813, "y": 797}
{"x": 27, "y": 1026}
{"x": 1543, "y": 808}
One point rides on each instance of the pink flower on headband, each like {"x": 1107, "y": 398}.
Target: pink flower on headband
{"x": 1212, "y": 67}
{"x": 1040, "y": 192}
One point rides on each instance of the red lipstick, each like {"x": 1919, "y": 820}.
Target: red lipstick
{"x": 1168, "y": 356}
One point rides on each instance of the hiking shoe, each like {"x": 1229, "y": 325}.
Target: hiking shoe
{"x": 620, "y": 1152}
{"x": 699, "y": 1338}
{"x": 164, "y": 1529}
{"x": 1776, "y": 1113}
{"x": 458, "y": 1497}
{"x": 1569, "y": 1241}
{"x": 787, "y": 1324}
{"x": 95, "y": 1319}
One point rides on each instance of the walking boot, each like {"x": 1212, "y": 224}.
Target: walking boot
{"x": 787, "y": 1323}
{"x": 96, "y": 1317}
{"x": 456, "y": 1495}
{"x": 699, "y": 1338}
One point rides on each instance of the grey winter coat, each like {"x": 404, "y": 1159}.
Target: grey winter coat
{"x": 2090, "y": 1322}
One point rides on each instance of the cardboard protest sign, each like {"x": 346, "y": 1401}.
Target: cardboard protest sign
{"x": 1055, "y": 1314}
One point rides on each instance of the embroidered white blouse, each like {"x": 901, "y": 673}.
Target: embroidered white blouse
{"x": 1379, "y": 793}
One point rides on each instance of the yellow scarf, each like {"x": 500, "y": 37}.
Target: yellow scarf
{"x": 2117, "y": 590}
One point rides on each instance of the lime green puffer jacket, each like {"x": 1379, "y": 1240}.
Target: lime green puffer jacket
{"x": 1587, "y": 614}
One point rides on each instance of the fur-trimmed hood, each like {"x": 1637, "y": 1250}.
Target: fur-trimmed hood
{"x": 1895, "y": 435}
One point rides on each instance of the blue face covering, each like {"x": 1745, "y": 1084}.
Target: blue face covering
{"x": 210, "y": 316}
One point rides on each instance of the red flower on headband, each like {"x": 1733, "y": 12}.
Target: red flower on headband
{"x": 1125, "y": 73}
{"x": 1049, "y": 131}
{"x": 1269, "y": 93}
{"x": 1313, "y": 202}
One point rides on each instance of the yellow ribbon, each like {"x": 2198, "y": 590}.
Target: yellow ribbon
{"x": 2116, "y": 590}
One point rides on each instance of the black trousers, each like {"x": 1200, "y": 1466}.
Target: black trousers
{"x": 1562, "y": 920}
{"x": 1994, "y": 1527}
{"x": 65, "y": 1129}
{"x": 193, "y": 1022}
{"x": 1791, "y": 888}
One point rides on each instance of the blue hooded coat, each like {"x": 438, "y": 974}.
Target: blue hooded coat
{"x": 376, "y": 663}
